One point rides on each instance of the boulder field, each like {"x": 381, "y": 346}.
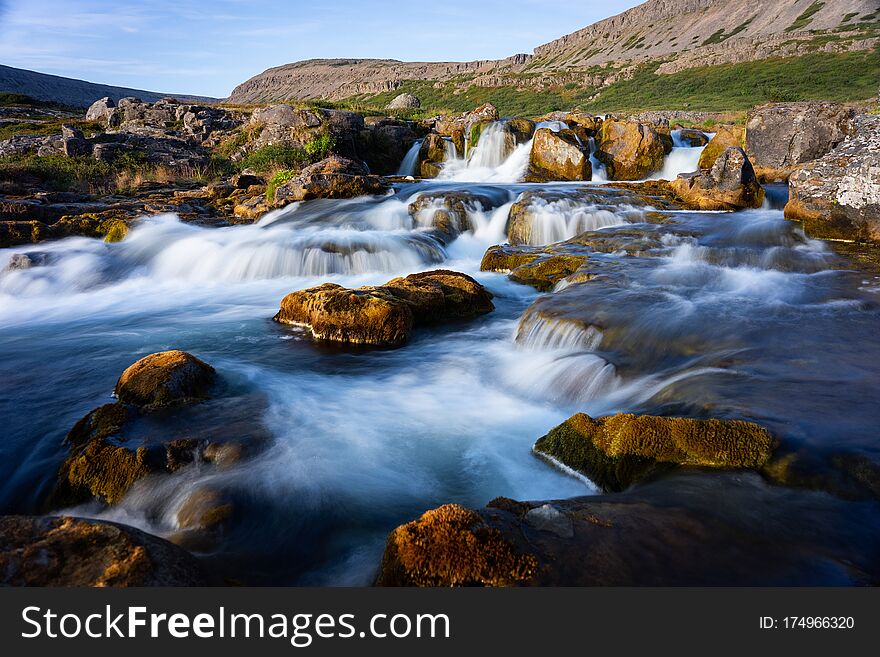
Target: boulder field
{"x": 385, "y": 315}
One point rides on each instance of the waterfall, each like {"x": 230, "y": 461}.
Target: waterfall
{"x": 555, "y": 220}
{"x": 600, "y": 173}
{"x": 411, "y": 160}
{"x": 682, "y": 159}
{"x": 491, "y": 151}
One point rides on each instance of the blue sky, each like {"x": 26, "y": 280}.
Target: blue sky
{"x": 207, "y": 47}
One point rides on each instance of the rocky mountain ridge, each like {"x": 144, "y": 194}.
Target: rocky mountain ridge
{"x": 72, "y": 92}
{"x": 677, "y": 34}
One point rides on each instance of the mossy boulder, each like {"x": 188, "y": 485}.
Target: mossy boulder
{"x": 65, "y": 551}
{"x": 530, "y": 266}
{"x": 616, "y": 451}
{"x": 848, "y": 475}
{"x": 384, "y": 315}
{"x": 151, "y": 430}
{"x": 452, "y": 546}
{"x": 367, "y": 315}
{"x": 731, "y": 184}
{"x": 629, "y": 150}
{"x": 558, "y": 156}
{"x": 165, "y": 378}
{"x": 726, "y": 136}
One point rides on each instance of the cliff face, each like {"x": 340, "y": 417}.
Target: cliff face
{"x": 680, "y": 33}
{"x": 75, "y": 93}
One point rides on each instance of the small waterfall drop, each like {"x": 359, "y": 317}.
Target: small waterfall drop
{"x": 682, "y": 159}
{"x": 410, "y": 161}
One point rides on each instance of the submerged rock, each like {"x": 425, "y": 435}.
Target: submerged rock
{"x": 65, "y": 551}
{"x": 838, "y": 195}
{"x": 452, "y": 546}
{"x": 629, "y": 150}
{"x": 558, "y": 156}
{"x": 448, "y": 212}
{"x": 731, "y": 184}
{"x": 780, "y": 137}
{"x": 616, "y": 451}
{"x": 385, "y": 315}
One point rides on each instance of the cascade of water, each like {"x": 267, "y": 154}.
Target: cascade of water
{"x": 682, "y": 159}
{"x": 600, "y": 173}
{"x": 562, "y": 218}
{"x": 410, "y": 160}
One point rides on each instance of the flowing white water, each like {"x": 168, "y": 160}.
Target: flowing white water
{"x": 560, "y": 219}
{"x": 410, "y": 160}
{"x": 683, "y": 159}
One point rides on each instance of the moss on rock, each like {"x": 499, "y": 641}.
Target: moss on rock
{"x": 452, "y": 546}
{"x": 616, "y": 451}
{"x": 165, "y": 378}
{"x": 384, "y": 315}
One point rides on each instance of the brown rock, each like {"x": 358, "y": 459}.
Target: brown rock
{"x": 558, "y": 156}
{"x": 726, "y": 136}
{"x": 65, "y": 551}
{"x": 452, "y": 546}
{"x": 730, "y": 184}
{"x": 629, "y": 150}
{"x": 164, "y": 378}
{"x": 384, "y": 315}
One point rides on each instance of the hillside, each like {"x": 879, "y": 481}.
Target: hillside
{"x": 664, "y": 37}
{"x": 71, "y": 92}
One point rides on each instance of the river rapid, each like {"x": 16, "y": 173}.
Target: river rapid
{"x": 721, "y": 314}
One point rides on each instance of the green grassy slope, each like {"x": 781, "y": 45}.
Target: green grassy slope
{"x": 726, "y": 87}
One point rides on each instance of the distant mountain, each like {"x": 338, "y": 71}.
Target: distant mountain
{"x": 669, "y": 35}
{"x": 74, "y": 93}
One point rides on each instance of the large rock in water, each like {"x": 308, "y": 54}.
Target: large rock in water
{"x": 164, "y": 378}
{"x": 333, "y": 177}
{"x": 689, "y": 528}
{"x": 434, "y": 152}
{"x": 65, "y": 551}
{"x": 448, "y": 212}
{"x": 558, "y": 156}
{"x": 404, "y": 101}
{"x": 534, "y": 266}
{"x": 150, "y": 430}
{"x": 731, "y": 184}
{"x": 384, "y": 315}
{"x": 616, "y": 451}
{"x": 726, "y": 136}
{"x": 780, "y": 137}
{"x": 629, "y": 150}
{"x": 838, "y": 196}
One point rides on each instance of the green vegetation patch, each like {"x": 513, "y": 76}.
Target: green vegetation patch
{"x": 721, "y": 35}
{"x": 806, "y": 18}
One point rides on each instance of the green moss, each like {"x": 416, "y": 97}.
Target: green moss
{"x": 320, "y": 147}
{"x": 616, "y": 451}
{"x": 114, "y": 230}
